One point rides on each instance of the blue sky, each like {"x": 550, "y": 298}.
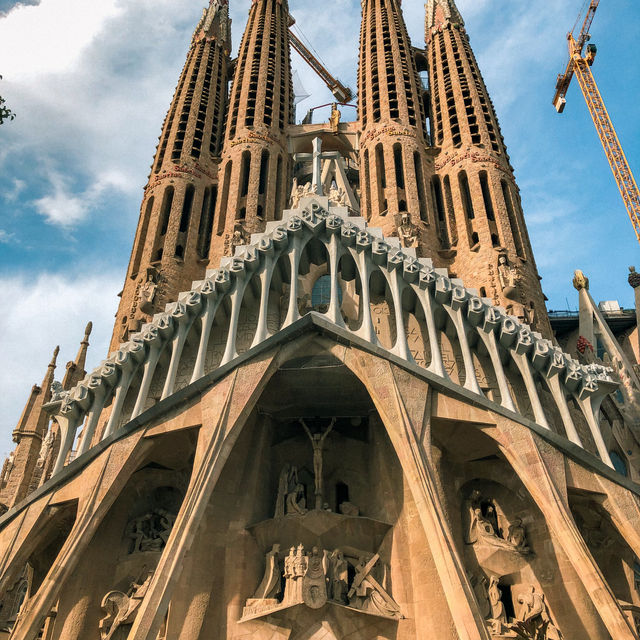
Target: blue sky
{"x": 91, "y": 82}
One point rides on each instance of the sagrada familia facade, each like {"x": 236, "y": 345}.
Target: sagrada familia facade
{"x": 334, "y": 405}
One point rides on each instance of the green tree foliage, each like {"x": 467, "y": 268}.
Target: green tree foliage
{"x": 5, "y": 112}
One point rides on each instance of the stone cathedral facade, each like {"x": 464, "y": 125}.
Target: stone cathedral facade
{"x": 333, "y": 406}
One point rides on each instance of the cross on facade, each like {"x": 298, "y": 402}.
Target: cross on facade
{"x": 316, "y": 159}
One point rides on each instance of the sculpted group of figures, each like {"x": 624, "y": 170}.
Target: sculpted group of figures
{"x": 319, "y": 576}
{"x": 501, "y": 548}
{"x": 532, "y": 620}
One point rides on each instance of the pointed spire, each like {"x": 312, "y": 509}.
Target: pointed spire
{"x": 75, "y": 369}
{"x": 48, "y": 376}
{"x": 31, "y": 419}
{"x": 215, "y": 23}
{"x": 440, "y": 13}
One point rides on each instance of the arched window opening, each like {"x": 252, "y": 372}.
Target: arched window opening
{"x": 474, "y": 239}
{"x": 242, "y": 213}
{"x": 142, "y": 237}
{"x": 222, "y": 215}
{"x": 436, "y": 185}
{"x": 402, "y": 205}
{"x": 495, "y": 241}
{"x": 179, "y": 253}
{"x": 465, "y": 194}
{"x": 264, "y": 171}
{"x": 422, "y": 196}
{"x": 259, "y": 212}
{"x": 513, "y": 222}
{"x": 166, "y": 210}
{"x": 382, "y": 179}
{"x": 278, "y": 204}
{"x": 486, "y": 196}
{"x": 245, "y": 170}
{"x": 448, "y": 200}
{"x": 367, "y": 185}
{"x": 399, "y": 168}
{"x": 186, "y": 208}
{"x": 205, "y": 228}
{"x": 483, "y": 292}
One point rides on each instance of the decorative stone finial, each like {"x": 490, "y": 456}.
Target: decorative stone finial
{"x": 634, "y": 277}
{"x": 56, "y": 351}
{"x": 88, "y": 329}
{"x": 580, "y": 281}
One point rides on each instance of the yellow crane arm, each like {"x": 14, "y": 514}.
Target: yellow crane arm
{"x": 609, "y": 139}
{"x": 340, "y": 92}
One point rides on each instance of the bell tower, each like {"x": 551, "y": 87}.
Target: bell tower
{"x": 253, "y": 168}
{"x": 474, "y": 187}
{"x": 395, "y": 166}
{"x": 171, "y": 247}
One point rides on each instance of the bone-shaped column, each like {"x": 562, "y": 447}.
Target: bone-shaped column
{"x": 425, "y": 292}
{"x": 184, "y": 314}
{"x": 359, "y": 246}
{"x": 240, "y": 269}
{"x": 212, "y": 290}
{"x": 296, "y": 244}
{"x": 453, "y": 299}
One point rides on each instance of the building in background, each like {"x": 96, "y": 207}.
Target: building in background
{"x": 335, "y": 405}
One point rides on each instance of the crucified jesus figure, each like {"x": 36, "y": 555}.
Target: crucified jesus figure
{"x": 317, "y": 440}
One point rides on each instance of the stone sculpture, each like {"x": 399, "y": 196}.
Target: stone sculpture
{"x": 407, "y": 231}
{"x": 485, "y": 530}
{"x": 508, "y": 277}
{"x": 318, "y": 577}
{"x": 317, "y": 441}
{"x": 270, "y": 587}
{"x": 367, "y": 594}
{"x": 121, "y": 607}
{"x": 45, "y": 449}
{"x": 147, "y": 292}
{"x": 314, "y": 583}
{"x": 334, "y": 118}
{"x": 516, "y": 535}
{"x": 338, "y": 577}
{"x": 498, "y": 614}
{"x": 150, "y": 531}
{"x": 533, "y": 620}
{"x": 57, "y": 391}
{"x": 287, "y": 481}
{"x": 296, "y": 503}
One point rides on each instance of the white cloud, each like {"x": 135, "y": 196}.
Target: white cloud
{"x": 47, "y": 310}
{"x": 62, "y": 207}
{"x": 6, "y": 237}
{"x": 65, "y": 209}
{"x": 61, "y": 28}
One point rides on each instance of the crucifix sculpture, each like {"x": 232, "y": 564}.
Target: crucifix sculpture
{"x": 316, "y": 159}
{"x": 317, "y": 441}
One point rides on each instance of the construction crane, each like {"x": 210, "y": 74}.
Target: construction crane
{"x": 340, "y": 92}
{"x": 580, "y": 65}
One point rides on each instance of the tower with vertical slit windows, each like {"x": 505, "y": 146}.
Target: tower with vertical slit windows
{"x": 331, "y": 407}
